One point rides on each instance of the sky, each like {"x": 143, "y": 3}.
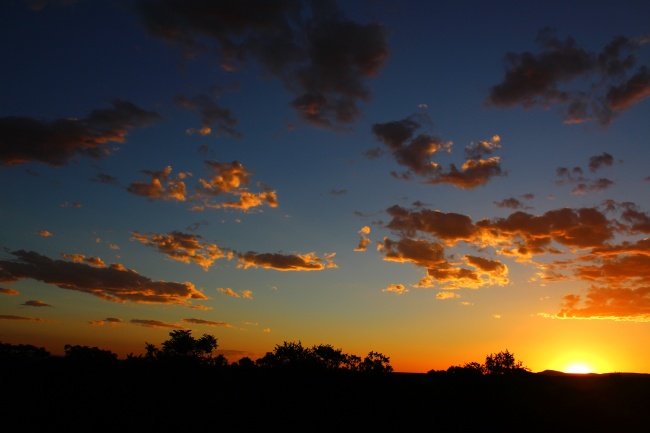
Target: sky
{"x": 435, "y": 181}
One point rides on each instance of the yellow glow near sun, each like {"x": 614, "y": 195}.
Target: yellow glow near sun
{"x": 578, "y": 367}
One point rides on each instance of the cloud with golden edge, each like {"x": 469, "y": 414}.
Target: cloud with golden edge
{"x": 228, "y": 292}
{"x": 363, "y": 240}
{"x": 231, "y": 179}
{"x": 80, "y": 258}
{"x": 183, "y": 247}
{"x": 286, "y": 262}
{"x": 396, "y": 288}
{"x": 113, "y": 283}
{"x": 162, "y": 186}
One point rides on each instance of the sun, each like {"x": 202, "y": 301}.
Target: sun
{"x": 578, "y": 367}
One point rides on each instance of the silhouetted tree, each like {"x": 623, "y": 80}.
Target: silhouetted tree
{"x": 89, "y": 355}
{"x": 22, "y": 352}
{"x": 329, "y": 358}
{"x": 376, "y": 362}
{"x": 502, "y": 363}
{"x": 289, "y": 354}
{"x": 244, "y": 363}
{"x": 183, "y": 346}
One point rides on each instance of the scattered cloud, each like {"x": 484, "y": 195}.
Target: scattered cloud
{"x": 215, "y": 120}
{"x": 25, "y": 139}
{"x": 112, "y": 283}
{"x": 183, "y": 247}
{"x": 228, "y": 291}
{"x": 20, "y": 318}
{"x": 447, "y": 295}
{"x": 44, "y": 233}
{"x": 112, "y": 321}
{"x": 545, "y": 79}
{"x": 162, "y": 186}
{"x": 286, "y": 262}
{"x": 364, "y": 241}
{"x": 320, "y": 56}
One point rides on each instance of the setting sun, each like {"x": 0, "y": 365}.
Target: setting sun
{"x": 579, "y": 367}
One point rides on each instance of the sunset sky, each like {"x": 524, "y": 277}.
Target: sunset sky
{"x": 435, "y": 181}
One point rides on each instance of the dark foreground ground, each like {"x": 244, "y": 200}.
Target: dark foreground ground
{"x": 70, "y": 398}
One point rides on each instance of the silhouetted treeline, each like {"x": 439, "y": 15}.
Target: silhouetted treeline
{"x": 182, "y": 386}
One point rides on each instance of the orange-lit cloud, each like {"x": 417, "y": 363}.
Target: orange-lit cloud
{"x": 535, "y": 79}
{"x": 80, "y": 258}
{"x": 183, "y": 247}
{"x": 447, "y": 295}
{"x": 25, "y": 139}
{"x": 228, "y": 291}
{"x": 161, "y": 186}
{"x": 308, "y": 50}
{"x": 286, "y": 262}
{"x": 363, "y": 240}
{"x": 396, "y": 288}
{"x": 8, "y": 291}
{"x": 113, "y": 283}
{"x": 44, "y": 233}
{"x": 232, "y": 179}
{"x": 207, "y": 322}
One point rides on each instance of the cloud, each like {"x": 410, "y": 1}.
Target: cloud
{"x": 147, "y": 323}
{"x": 112, "y": 321}
{"x": 247, "y": 294}
{"x": 396, "y": 288}
{"x": 80, "y": 258}
{"x": 113, "y": 283}
{"x": 232, "y": 178}
{"x": 10, "y": 292}
{"x": 286, "y": 262}
{"x": 25, "y": 139}
{"x": 228, "y": 291}
{"x": 33, "y": 303}
{"x": 161, "y": 186}
{"x": 446, "y": 295}
{"x": 68, "y": 204}
{"x": 511, "y": 203}
{"x": 207, "y": 322}
{"x": 598, "y": 161}
{"x": 106, "y": 178}
{"x": 416, "y": 152}
{"x": 183, "y": 247}
{"x": 44, "y": 233}
{"x": 544, "y": 79}
{"x": 20, "y": 318}
{"x": 215, "y": 120}
{"x": 363, "y": 240}
{"x": 321, "y": 57}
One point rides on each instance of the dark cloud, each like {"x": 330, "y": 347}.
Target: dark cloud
{"x": 105, "y": 178}
{"x": 286, "y": 262}
{"x": 25, "y": 139}
{"x": 540, "y": 79}
{"x": 511, "y": 203}
{"x": 33, "y": 303}
{"x": 162, "y": 186}
{"x": 320, "y": 56}
{"x": 113, "y": 283}
{"x": 8, "y": 291}
{"x": 20, "y": 318}
{"x": 148, "y": 323}
{"x": 416, "y": 151}
{"x": 206, "y": 322}
{"x": 598, "y": 161}
{"x": 215, "y": 120}
{"x": 183, "y": 247}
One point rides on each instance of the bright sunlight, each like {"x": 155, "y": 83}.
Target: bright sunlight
{"x": 578, "y": 367}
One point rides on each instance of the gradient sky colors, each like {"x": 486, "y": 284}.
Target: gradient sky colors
{"x": 435, "y": 181}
